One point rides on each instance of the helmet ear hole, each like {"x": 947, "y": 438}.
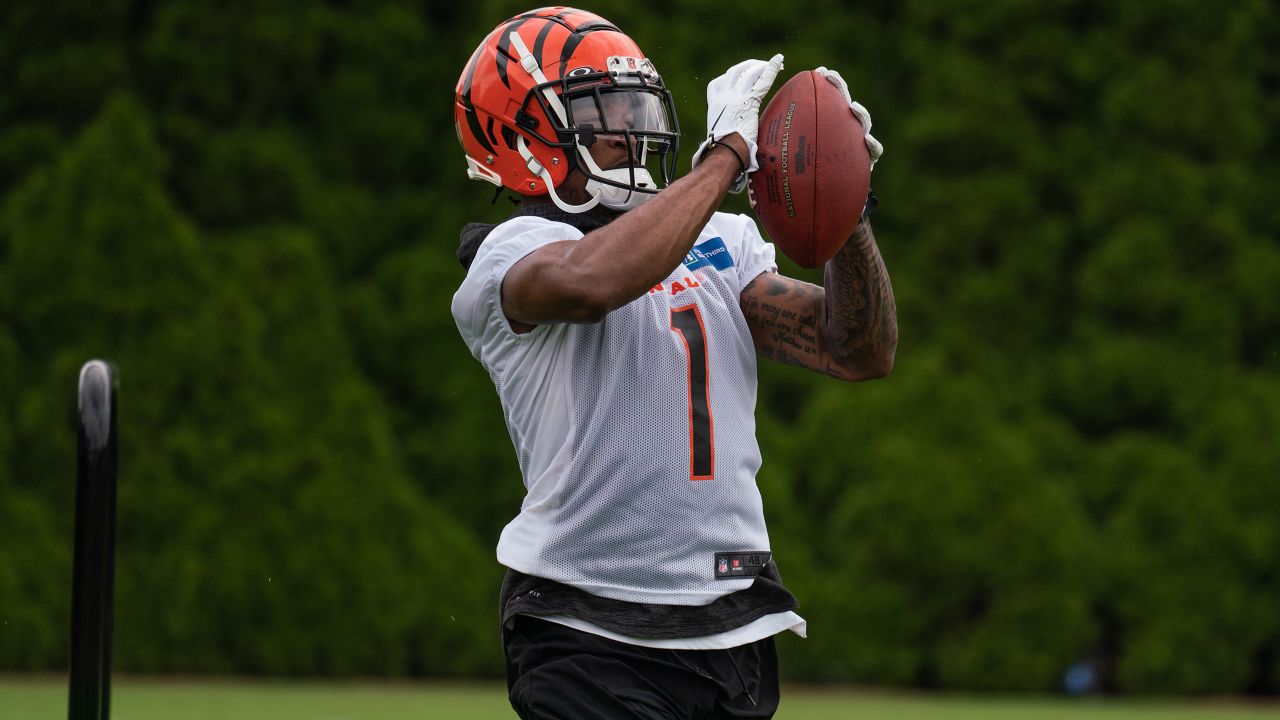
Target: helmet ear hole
{"x": 509, "y": 136}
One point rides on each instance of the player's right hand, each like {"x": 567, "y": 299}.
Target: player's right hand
{"x": 874, "y": 148}
{"x": 733, "y": 105}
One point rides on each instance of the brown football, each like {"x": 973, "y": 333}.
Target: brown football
{"x": 815, "y": 171}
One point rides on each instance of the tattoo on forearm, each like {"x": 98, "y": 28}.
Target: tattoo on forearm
{"x": 860, "y": 318}
{"x": 783, "y": 317}
{"x": 847, "y": 329}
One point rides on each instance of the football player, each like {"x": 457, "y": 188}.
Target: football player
{"x": 620, "y": 317}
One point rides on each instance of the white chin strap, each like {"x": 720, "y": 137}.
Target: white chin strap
{"x": 537, "y": 168}
{"x": 616, "y": 198}
{"x": 619, "y": 198}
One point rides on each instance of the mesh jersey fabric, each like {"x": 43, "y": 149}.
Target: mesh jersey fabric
{"x": 635, "y": 435}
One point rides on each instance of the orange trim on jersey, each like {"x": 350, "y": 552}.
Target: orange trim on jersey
{"x": 706, "y": 364}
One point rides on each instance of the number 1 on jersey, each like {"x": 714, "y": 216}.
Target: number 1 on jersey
{"x": 687, "y": 321}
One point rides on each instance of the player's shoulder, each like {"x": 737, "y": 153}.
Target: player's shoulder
{"x": 723, "y": 220}
{"x": 532, "y": 225}
{"x": 519, "y": 235}
{"x": 735, "y": 228}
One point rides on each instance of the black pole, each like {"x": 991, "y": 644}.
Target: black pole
{"x": 94, "y": 569}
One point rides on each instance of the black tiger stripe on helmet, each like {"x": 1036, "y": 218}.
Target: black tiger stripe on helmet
{"x": 503, "y": 56}
{"x": 513, "y": 126}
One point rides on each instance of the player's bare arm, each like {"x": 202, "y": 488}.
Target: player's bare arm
{"x": 582, "y": 280}
{"x": 847, "y": 329}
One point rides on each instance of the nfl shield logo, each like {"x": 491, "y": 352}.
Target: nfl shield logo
{"x": 723, "y": 568}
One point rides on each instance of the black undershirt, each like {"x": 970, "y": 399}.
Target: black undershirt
{"x": 528, "y": 595}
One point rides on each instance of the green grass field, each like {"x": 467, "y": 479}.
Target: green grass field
{"x": 45, "y": 698}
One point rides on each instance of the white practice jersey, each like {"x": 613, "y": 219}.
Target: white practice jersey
{"x": 635, "y": 435}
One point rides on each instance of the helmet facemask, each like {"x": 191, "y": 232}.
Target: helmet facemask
{"x": 626, "y": 101}
{"x": 638, "y": 117}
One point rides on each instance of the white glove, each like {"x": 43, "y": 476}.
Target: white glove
{"x": 874, "y": 148}
{"x": 733, "y": 106}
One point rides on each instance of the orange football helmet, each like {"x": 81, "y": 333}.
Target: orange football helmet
{"x": 542, "y": 86}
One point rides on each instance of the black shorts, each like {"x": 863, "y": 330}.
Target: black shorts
{"x": 554, "y": 671}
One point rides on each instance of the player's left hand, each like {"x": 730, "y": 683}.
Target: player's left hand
{"x": 874, "y": 148}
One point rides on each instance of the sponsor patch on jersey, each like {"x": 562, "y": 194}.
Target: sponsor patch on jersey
{"x": 711, "y": 253}
{"x": 734, "y": 565}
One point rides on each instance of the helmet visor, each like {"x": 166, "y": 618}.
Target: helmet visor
{"x": 619, "y": 111}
